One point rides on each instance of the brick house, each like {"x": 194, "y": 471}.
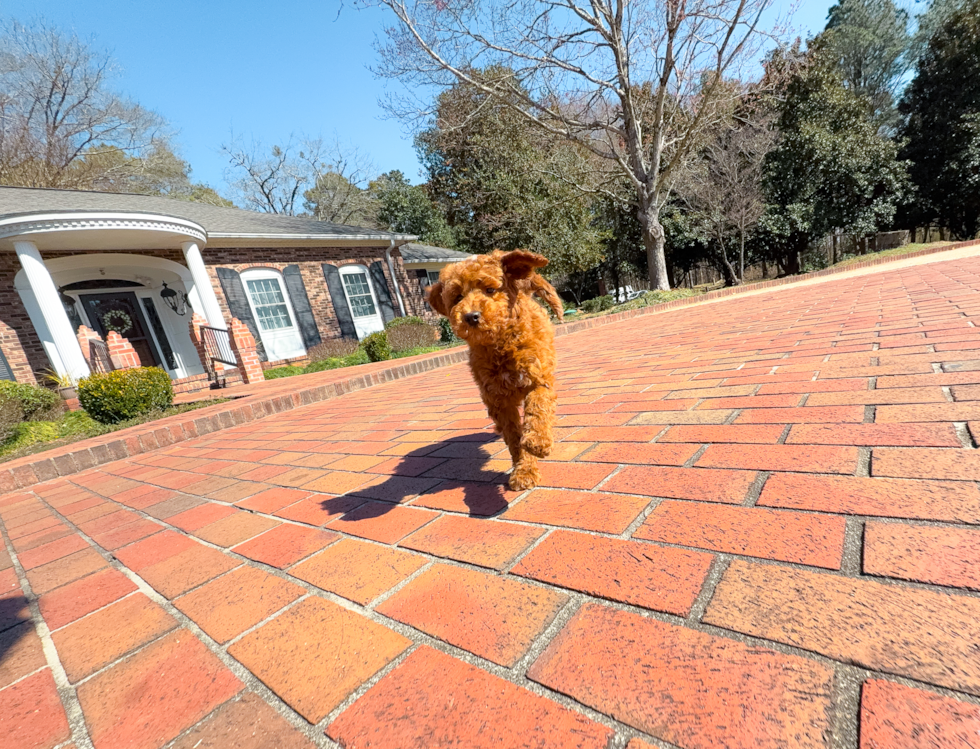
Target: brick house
{"x": 146, "y": 266}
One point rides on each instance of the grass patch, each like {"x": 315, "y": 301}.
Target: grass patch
{"x": 31, "y": 437}
{"x": 648, "y": 299}
{"x": 289, "y": 370}
{"x": 418, "y": 350}
{"x": 904, "y": 250}
{"x": 353, "y": 360}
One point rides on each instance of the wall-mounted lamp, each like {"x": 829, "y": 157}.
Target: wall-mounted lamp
{"x": 176, "y": 300}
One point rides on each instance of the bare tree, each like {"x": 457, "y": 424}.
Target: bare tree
{"x": 634, "y": 82}
{"x": 56, "y": 107}
{"x": 340, "y": 193}
{"x": 724, "y": 187}
{"x": 328, "y": 182}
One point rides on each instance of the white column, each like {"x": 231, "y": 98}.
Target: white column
{"x": 52, "y": 310}
{"x": 202, "y": 284}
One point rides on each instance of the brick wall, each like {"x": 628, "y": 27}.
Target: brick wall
{"x": 20, "y": 345}
{"x": 310, "y": 260}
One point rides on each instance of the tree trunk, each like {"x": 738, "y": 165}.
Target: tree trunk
{"x": 731, "y": 278}
{"x": 741, "y": 257}
{"x": 794, "y": 261}
{"x": 653, "y": 243}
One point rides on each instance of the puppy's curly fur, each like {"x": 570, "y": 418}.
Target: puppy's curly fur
{"x": 488, "y": 300}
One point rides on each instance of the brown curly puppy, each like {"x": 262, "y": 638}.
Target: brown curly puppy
{"x": 487, "y": 299}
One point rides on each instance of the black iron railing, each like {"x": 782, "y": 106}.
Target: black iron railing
{"x": 99, "y": 359}
{"x": 217, "y": 348}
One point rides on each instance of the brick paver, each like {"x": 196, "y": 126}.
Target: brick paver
{"x": 760, "y": 527}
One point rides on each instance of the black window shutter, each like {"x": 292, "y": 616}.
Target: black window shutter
{"x": 301, "y": 305}
{"x": 423, "y": 277}
{"x": 336, "y": 288}
{"x": 5, "y": 372}
{"x": 382, "y": 291}
{"x": 234, "y": 289}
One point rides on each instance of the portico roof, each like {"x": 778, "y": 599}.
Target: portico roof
{"x": 32, "y": 210}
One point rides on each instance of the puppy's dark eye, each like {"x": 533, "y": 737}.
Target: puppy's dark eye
{"x": 459, "y": 298}
{"x": 491, "y": 292}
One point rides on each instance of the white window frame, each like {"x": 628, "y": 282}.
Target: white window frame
{"x": 264, "y": 274}
{"x": 351, "y": 269}
{"x": 261, "y": 274}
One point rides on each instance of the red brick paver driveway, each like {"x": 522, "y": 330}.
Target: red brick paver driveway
{"x": 759, "y": 529}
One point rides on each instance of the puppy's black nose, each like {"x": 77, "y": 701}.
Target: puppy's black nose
{"x": 472, "y": 318}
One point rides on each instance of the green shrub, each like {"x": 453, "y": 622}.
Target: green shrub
{"x": 358, "y": 357}
{"x": 37, "y": 403}
{"x": 407, "y": 320}
{"x": 598, "y": 304}
{"x": 335, "y": 348}
{"x": 446, "y": 331}
{"x": 288, "y": 371}
{"x": 406, "y": 337}
{"x": 376, "y": 346}
{"x": 125, "y": 393}
{"x": 11, "y": 415}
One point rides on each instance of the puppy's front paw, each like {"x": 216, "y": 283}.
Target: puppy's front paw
{"x": 539, "y": 445}
{"x": 523, "y": 478}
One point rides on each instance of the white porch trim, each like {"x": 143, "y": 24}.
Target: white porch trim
{"x": 66, "y": 356}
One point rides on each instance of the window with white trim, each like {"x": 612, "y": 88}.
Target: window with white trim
{"x": 359, "y": 294}
{"x": 433, "y": 276}
{"x": 270, "y": 304}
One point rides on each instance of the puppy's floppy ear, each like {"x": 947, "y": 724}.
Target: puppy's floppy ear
{"x": 546, "y": 291}
{"x": 521, "y": 263}
{"x": 435, "y": 299}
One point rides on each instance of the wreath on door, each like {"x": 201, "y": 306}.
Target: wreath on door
{"x": 117, "y": 320}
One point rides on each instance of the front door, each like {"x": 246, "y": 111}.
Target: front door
{"x": 120, "y": 311}
{"x": 360, "y": 297}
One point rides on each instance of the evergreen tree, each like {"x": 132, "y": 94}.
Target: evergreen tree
{"x": 941, "y": 108}
{"x": 832, "y": 168}
{"x": 869, "y": 40}
{"x": 503, "y": 184}
{"x": 407, "y": 209}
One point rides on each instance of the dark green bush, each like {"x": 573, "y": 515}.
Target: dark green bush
{"x": 288, "y": 371}
{"x": 599, "y": 304}
{"x": 376, "y": 346}
{"x": 11, "y": 415}
{"x": 407, "y": 320}
{"x": 446, "y": 331}
{"x": 37, "y": 403}
{"x": 126, "y": 393}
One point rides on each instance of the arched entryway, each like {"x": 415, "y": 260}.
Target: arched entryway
{"x": 121, "y": 292}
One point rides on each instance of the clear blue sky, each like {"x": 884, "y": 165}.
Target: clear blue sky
{"x": 261, "y": 68}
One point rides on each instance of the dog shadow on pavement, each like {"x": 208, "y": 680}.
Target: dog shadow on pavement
{"x": 466, "y": 473}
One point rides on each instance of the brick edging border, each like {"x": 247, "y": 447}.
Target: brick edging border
{"x": 126, "y": 443}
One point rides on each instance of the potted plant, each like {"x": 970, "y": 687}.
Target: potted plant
{"x": 65, "y": 384}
